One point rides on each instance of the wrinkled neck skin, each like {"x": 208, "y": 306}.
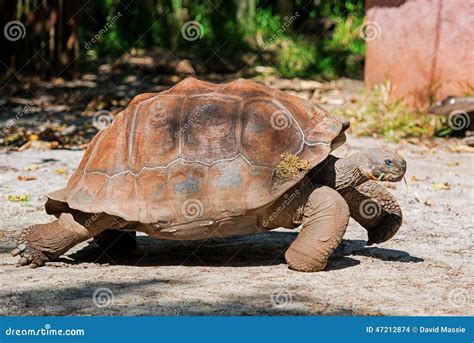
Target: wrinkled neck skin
{"x": 338, "y": 173}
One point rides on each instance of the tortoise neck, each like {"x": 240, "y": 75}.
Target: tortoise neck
{"x": 339, "y": 173}
{"x": 348, "y": 174}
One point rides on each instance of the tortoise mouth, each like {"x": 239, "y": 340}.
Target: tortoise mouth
{"x": 384, "y": 176}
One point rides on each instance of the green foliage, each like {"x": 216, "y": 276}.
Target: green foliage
{"x": 228, "y": 29}
{"x": 297, "y": 58}
{"x": 375, "y": 114}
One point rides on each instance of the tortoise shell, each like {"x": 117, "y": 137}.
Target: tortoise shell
{"x": 199, "y": 151}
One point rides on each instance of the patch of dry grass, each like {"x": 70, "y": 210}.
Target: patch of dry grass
{"x": 374, "y": 114}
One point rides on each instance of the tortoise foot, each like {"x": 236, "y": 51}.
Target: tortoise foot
{"x": 27, "y": 250}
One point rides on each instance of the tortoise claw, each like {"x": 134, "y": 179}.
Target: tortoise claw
{"x": 28, "y": 254}
{"x": 23, "y": 261}
{"x": 20, "y": 247}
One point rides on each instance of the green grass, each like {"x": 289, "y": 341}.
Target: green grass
{"x": 374, "y": 114}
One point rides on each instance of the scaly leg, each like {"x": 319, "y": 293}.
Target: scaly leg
{"x": 376, "y": 209}
{"x": 44, "y": 242}
{"x": 323, "y": 214}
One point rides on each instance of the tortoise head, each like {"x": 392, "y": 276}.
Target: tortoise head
{"x": 382, "y": 165}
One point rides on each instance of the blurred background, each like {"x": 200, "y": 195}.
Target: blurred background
{"x": 69, "y": 66}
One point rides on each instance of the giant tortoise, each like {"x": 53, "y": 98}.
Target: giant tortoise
{"x": 203, "y": 160}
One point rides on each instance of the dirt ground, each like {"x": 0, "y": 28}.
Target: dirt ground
{"x": 426, "y": 269}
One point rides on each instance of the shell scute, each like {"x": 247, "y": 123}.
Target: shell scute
{"x": 209, "y": 129}
{"x": 268, "y": 131}
{"x": 155, "y": 141}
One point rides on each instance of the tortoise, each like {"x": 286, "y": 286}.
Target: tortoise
{"x": 203, "y": 160}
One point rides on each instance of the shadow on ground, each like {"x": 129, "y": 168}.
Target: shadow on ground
{"x": 145, "y": 298}
{"x": 255, "y": 250}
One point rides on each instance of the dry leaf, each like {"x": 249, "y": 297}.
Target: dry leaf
{"x": 33, "y": 137}
{"x": 18, "y": 198}
{"x": 453, "y": 164}
{"x": 26, "y": 178}
{"x": 441, "y": 186}
{"x": 461, "y": 148}
{"x": 39, "y": 145}
{"x": 32, "y": 167}
{"x": 417, "y": 197}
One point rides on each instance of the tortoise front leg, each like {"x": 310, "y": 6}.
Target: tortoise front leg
{"x": 324, "y": 221}
{"x": 376, "y": 209}
{"x": 40, "y": 243}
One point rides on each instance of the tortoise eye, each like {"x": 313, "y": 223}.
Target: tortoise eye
{"x": 388, "y": 163}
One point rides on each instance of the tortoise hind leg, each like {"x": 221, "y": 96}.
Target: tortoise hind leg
{"x": 40, "y": 243}
{"x": 116, "y": 240}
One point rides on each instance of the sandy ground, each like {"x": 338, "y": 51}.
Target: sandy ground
{"x": 426, "y": 269}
